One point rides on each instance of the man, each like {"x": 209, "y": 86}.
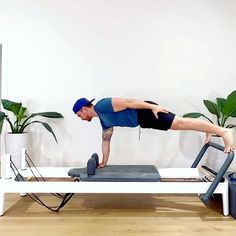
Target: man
{"x": 131, "y": 113}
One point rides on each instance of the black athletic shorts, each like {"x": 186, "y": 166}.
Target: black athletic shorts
{"x": 148, "y": 120}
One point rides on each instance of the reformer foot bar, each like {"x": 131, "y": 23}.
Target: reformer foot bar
{"x": 127, "y": 179}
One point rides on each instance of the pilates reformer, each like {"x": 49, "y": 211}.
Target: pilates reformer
{"x": 199, "y": 180}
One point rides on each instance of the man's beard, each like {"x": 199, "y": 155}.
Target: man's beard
{"x": 89, "y": 119}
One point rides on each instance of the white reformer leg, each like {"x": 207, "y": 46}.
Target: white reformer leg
{"x": 225, "y": 200}
{"x": 23, "y": 165}
{"x": 7, "y": 175}
{"x": 2, "y": 200}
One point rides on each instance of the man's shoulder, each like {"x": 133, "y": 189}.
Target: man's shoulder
{"x": 104, "y": 105}
{"x": 103, "y": 102}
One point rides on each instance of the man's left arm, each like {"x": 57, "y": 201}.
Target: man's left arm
{"x": 106, "y": 140}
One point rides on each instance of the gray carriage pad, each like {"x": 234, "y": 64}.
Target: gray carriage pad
{"x": 119, "y": 173}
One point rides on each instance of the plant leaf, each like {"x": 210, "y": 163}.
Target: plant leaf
{"x": 197, "y": 115}
{"x": 212, "y": 108}
{"x": 48, "y": 114}
{"x": 2, "y": 115}
{"x": 15, "y": 108}
{"x": 221, "y": 103}
{"x": 7, "y": 104}
{"x": 193, "y": 115}
{"x": 233, "y": 114}
{"x": 24, "y": 116}
{"x": 47, "y": 126}
{"x": 1, "y": 124}
{"x": 230, "y": 104}
{"x": 230, "y": 126}
{"x": 11, "y": 106}
{"x": 22, "y": 111}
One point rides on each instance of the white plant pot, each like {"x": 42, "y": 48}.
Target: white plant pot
{"x": 14, "y": 143}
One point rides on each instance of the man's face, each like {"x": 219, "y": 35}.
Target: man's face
{"x": 83, "y": 114}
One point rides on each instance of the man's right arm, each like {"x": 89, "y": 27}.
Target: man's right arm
{"x": 106, "y": 140}
{"x": 120, "y": 104}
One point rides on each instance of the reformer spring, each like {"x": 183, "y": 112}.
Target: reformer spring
{"x": 33, "y": 196}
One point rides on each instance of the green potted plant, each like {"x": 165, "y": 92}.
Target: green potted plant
{"x": 22, "y": 120}
{"x": 222, "y": 109}
{"x": 19, "y": 120}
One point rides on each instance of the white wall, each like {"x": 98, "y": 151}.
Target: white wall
{"x": 174, "y": 52}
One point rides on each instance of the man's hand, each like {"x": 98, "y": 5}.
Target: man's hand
{"x": 157, "y": 109}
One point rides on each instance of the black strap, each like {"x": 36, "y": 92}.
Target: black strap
{"x": 33, "y": 196}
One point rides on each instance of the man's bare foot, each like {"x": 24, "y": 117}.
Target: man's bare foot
{"x": 208, "y": 137}
{"x": 228, "y": 138}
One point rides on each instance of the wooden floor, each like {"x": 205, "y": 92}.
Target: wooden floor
{"x": 113, "y": 214}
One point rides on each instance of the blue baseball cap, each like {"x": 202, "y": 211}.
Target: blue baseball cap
{"x": 82, "y": 102}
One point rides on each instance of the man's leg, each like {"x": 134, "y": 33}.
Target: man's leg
{"x": 180, "y": 123}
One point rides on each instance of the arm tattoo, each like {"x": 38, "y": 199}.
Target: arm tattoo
{"x": 106, "y": 134}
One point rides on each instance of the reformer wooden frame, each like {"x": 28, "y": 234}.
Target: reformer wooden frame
{"x": 205, "y": 190}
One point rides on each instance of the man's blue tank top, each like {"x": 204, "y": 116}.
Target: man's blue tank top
{"x": 109, "y": 118}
